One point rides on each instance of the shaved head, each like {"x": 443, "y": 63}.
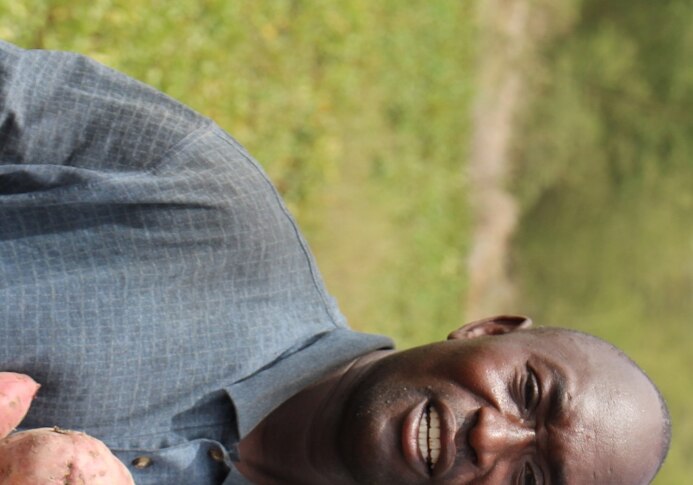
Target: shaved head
{"x": 638, "y": 421}
{"x": 653, "y": 401}
{"x": 514, "y": 405}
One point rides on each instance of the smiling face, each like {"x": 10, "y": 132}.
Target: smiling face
{"x": 538, "y": 406}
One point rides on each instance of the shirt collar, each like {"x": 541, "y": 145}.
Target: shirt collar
{"x": 259, "y": 394}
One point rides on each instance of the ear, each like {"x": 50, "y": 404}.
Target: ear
{"x": 497, "y": 325}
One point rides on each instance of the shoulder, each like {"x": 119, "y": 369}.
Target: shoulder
{"x": 62, "y": 108}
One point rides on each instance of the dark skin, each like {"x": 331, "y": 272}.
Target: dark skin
{"x": 516, "y": 406}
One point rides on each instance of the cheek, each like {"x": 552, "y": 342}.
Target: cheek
{"x": 484, "y": 375}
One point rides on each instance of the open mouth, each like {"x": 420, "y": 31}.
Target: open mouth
{"x": 429, "y": 436}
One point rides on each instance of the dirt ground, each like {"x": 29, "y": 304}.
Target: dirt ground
{"x": 504, "y": 27}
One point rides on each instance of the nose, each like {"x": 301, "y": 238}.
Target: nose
{"x": 496, "y": 435}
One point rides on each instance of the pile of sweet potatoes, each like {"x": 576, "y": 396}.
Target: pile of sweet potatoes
{"x": 47, "y": 456}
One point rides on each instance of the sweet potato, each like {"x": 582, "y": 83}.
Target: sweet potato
{"x": 16, "y": 393}
{"x": 48, "y": 456}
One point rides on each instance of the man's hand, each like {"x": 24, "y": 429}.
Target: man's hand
{"x": 48, "y": 456}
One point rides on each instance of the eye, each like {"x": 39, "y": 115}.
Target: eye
{"x": 528, "y": 477}
{"x": 530, "y": 391}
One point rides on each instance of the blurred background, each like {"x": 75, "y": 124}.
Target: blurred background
{"x": 453, "y": 158}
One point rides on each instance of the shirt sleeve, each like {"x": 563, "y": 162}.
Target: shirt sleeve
{"x": 64, "y": 109}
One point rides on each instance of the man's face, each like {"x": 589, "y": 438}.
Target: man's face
{"x": 544, "y": 407}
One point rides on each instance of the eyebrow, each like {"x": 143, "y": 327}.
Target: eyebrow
{"x": 556, "y": 396}
{"x": 557, "y": 404}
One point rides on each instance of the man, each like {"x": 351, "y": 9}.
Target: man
{"x": 497, "y": 403}
{"x": 155, "y": 285}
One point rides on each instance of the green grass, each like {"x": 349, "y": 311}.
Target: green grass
{"x": 360, "y": 112}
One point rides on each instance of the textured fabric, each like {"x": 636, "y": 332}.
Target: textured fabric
{"x": 151, "y": 279}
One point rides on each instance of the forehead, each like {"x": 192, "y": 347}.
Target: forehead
{"x": 599, "y": 440}
{"x": 609, "y": 426}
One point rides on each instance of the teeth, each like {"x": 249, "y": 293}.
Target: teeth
{"x": 429, "y": 436}
{"x": 423, "y": 436}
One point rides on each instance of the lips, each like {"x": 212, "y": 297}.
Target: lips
{"x": 428, "y": 438}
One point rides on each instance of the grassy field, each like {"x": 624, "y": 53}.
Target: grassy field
{"x": 360, "y": 111}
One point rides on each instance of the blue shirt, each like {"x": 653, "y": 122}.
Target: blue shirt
{"x": 151, "y": 278}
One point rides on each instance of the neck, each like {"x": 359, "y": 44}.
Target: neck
{"x": 297, "y": 442}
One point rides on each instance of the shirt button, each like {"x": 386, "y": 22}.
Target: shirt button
{"x": 216, "y": 454}
{"x": 142, "y": 462}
